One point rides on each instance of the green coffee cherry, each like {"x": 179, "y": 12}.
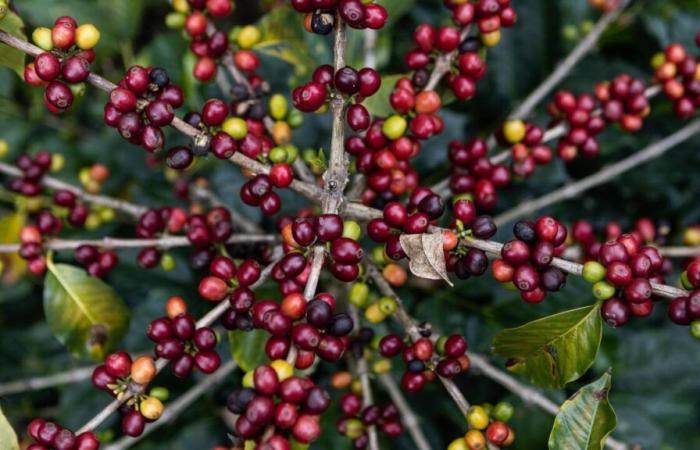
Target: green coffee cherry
{"x": 394, "y": 127}
{"x": 359, "y": 294}
{"x": 695, "y": 329}
{"x": 685, "y": 282}
{"x": 167, "y": 262}
{"x": 175, "y": 20}
{"x": 160, "y": 392}
{"x": 503, "y": 411}
{"x": 292, "y": 153}
{"x": 440, "y": 345}
{"x": 352, "y": 230}
{"x": 278, "y": 107}
{"x": 295, "y": 118}
{"x": 278, "y": 154}
{"x": 593, "y": 271}
{"x": 387, "y": 305}
{"x": 378, "y": 255}
{"x": 603, "y": 290}
{"x": 41, "y": 37}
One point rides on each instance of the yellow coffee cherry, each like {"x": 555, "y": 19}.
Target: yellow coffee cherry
{"x": 151, "y": 408}
{"x": 248, "y": 36}
{"x": 235, "y": 127}
{"x": 58, "y": 161}
{"x": 106, "y": 214}
{"x": 281, "y": 133}
{"x": 4, "y": 148}
{"x": 514, "y": 131}
{"x": 477, "y": 418}
{"x": 181, "y": 6}
{"x": 458, "y": 444}
{"x": 42, "y": 38}
{"x": 278, "y": 107}
{"x": 382, "y": 366}
{"x": 374, "y": 314}
{"x": 93, "y": 222}
{"x": 491, "y": 39}
{"x": 87, "y": 36}
{"x": 283, "y": 369}
{"x": 691, "y": 236}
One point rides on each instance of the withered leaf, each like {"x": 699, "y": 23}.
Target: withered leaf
{"x": 426, "y": 256}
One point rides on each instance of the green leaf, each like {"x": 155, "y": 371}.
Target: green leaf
{"x": 14, "y": 265}
{"x": 554, "y": 350}
{"x": 586, "y": 419}
{"x": 8, "y": 437}
{"x": 9, "y": 57}
{"x": 84, "y": 313}
{"x": 248, "y": 348}
{"x": 378, "y": 104}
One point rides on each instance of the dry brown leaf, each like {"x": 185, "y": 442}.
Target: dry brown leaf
{"x": 426, "y": 258}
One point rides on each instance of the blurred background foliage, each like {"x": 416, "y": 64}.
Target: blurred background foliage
{"x": 655, "y": 364}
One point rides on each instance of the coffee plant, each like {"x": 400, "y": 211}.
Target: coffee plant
{"x": 346, "y": 224}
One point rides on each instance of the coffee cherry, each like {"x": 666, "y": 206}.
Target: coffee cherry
{"x": 615, "y": 312}
{"x": 75, "y": 69}
{"x": 207, "y": 361}
{"x": 143, "y": 370}
{"x": 133, "y": 424}
{"x": 118, "y": 364}
{"x": 213, "y": 289}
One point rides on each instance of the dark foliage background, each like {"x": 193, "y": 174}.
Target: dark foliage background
{"x": 655, "y": 364}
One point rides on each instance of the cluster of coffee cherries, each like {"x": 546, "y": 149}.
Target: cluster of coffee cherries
{"x": 622, "y": 277}
{"x": 583, "y": 234}
{"x": 677, "y": 72}
{"x": 142, "y": 103}
{"x": 97, "y": 262}
{"x": 33, "y": 170}
{"x": 424, "y": 208}
{"x": 179, "y": 340}
{"x": 119, "y": 376}
{"x": 339, "y": 237}
{"x": 51, "y": 436}
{"x": 320, "y": 14}
{"x": 313, "y": 328}
{"x": 526, "y": 260}
{"x": 356, "y": 419}
{"x": 424, "y": 358}
{"x": 361, "y": 84}
{"x": 207, "y": 46}
{"x": 31, "y": 240}
{"x": 487, "y": 427}
{"x": 258, "y": 190}
{"x": 272, "y": 398}
{"x": 153, "y": 223}
{"x": 686, "y": 310}
{"x": 475, "y": 174}
{"x": 526, "y": 146}
{"x": 64, "y": 64}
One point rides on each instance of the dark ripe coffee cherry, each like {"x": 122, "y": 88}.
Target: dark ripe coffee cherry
{"x": 277, "y": 323}
{"x": 160, "y": 329}
{"x": 417, "y": 223}
{"x": 129, "y": 126}
{"x": 347, "y": 80}
{"x": 270, "y": 203}
{"x": 172, "y": 95}
{"x": 350, "y": 404}
{"x": 552, "y": 279}
{"x": 449, "y": 368}
{"x": 214, "y": 112}
{"x": 475, "y": 261}
{"x": 59, "y": 95}
{"x": 47, "y": 66}
{"x": 133, "y": 423}
{"x": 390, "y": 346}
{"x": 86, "y": 441}
{"x": 265, "y": 380}
{"x": 85, "y": 254}
{"x": 100, "y": 379}
{"x": 546, "y": 228}
{"x": 285, "y": 416}
{"x": 344, "y": 272}
{"x": 170, "y": 348}
{"x": 149, "y": 257}
{"x": 346, "y": 251}
{"x": 415, "y": 366}
{"x": 321, "y": 22}
{"x": 292, "y": 264}
{"x": 678, "y": 311}
{"x": 329, "y": 227}
{"x": 619, "y": 273}
{"x": 370, "y": 82}
{"x": 123, "y": 99}
{"x": 239, "y": 399}
{"x": 277, "y": 347}
{"x": 159, "y": 113}
{"x": 455, "y": 346}
{"x": 306, "y": 336}
{"x": 137, "y": 79}
{"x": 207, "y": 361}
{"x": 526, "y": 278}
{"x": 483, "y": 227}
{"x": 242, "y": 299}
{"x": 64, "y": 440}
{"x": 304, "y": 231}
{"x": 432, "y": 205}
{"x": 179, "y": 158}
{"x": 542, "y": 254}
{"x": 638, "y": 291}
{"x": 358, "y": 117}
{"x": 524, "y": 230}
{"x": 317, "y": 401}
{"x": 152, "y": 138}
{"x": 515, "y": 252}
{"x": 293, "y": 390}
{"x": 612, "y": 251}
{"x": 260, "y": 410}
{"x": 306, "y": 429}
{"x": 371, "y": 415}
{"x": 75, "y": 69}
{"x": 217, "y": 44}
{"x": 223, "y": 145}
{"x": 341, "y": 326}
{"x": 378, "y": 230}
{"x": 615, "y": 312}
{"x": 375, "y": 16}
{"x": 248, "y": 272}
{"x": 395, "y": 214}
{"x": 159, "y": 77}
{"x": 693, "y": 305}
{"x": 245, "y": 429}
{"x": 118, "y": 364}
{"x": 352, "y": 12}
{"x": 182, "y": 366}
{"x": 111, "y": 115}
{"x": 205, "y": 338}
{"x": 319, "y": 314}
{"x": 281, "y": 175}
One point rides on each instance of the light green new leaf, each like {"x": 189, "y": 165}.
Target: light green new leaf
{"x": 8, "y": 437}
{"x": 248, "y": 348}
{"x": 586, "y": 419}
{"x": 9, "y": 57}
{"x": 84, "y": 312}
{"x": 554, "y": 350}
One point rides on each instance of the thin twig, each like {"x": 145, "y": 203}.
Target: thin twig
{"x": 408, "y": 417}
{"x": 44, "y": 382}
{"x": 572, "y": 190}
{"x": 56, "y": 184}
{"x": 174, "y": 409}
{"x": 680, "y": 252}
{"x": 367, "y": 399}
{"x": 118, "y": 243}
{"x": 567, "y": 64}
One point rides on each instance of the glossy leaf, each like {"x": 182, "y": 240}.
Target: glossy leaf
{"x": 586, "y": 419}
{"x": 9, "y": 57}
{"x": 8, "y": 437}
{"x": 248, "y": 348}
{"x": 554, "y": 350}
{"x": 84, "y": 312}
